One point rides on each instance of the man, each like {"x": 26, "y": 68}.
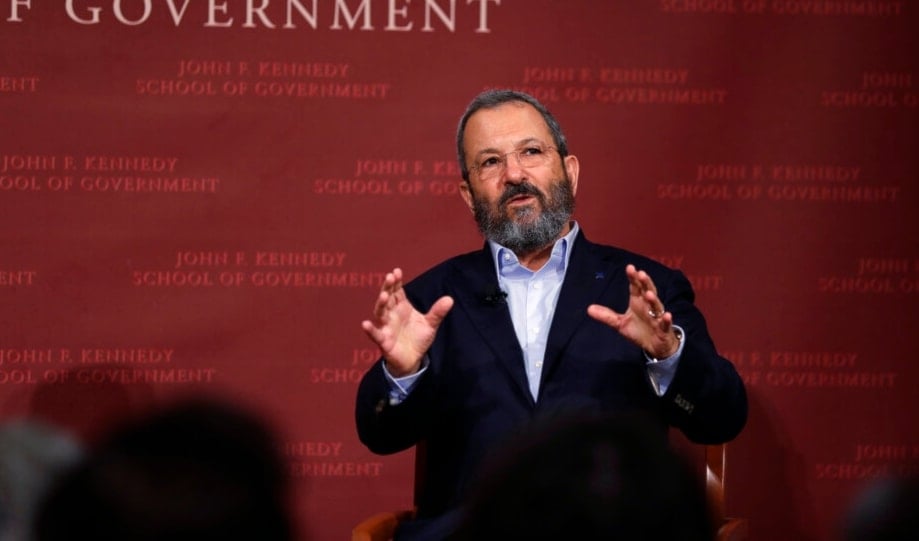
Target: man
{"x": 540, "y": 322}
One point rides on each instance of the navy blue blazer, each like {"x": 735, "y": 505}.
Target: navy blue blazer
{"x": 474, "y": 394}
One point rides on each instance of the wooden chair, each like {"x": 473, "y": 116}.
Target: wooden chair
{"x": 729, "y": 528}
{"x": 382, "y": 526}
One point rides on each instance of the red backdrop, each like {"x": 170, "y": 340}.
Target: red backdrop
{"x": 203, "y": 197}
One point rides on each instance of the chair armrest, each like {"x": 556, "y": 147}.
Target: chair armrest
{"x": 733, "y": 529}
{"x": 381, "y": 526}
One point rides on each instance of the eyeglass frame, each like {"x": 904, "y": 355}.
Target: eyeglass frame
{"x": 503, "y": 159}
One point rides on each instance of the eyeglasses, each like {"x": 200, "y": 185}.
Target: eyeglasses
{"x": 493, "y": 166}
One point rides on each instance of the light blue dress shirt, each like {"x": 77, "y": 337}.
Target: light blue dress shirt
{"x": 531, "y": 299}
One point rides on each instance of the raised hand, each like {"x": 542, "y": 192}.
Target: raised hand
{"x": 402, "y": 333}
{"x": 645, "y": 322}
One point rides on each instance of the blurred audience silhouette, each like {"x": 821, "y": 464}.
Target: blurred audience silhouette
{"x": 594, "y": 477}
{"x": 885, "y": 510}
{"x": 197, "y": 470}
{"x": 32, "y": 456}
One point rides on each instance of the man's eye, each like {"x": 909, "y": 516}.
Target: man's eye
{"x": 489, "y": 162}
{"x": 531, "y": 151}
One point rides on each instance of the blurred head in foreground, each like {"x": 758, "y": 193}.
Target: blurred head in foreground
{"x": 885, "y": 510}
{"x": 589, "y": 478}
{"x": 194, "y": 471}
{"x": 32, "y": 456}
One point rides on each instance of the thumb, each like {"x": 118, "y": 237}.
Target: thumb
{"x": 439, "y": 311}
{"x": 605, "y": 315}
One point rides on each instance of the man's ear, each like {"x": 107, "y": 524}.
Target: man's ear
{"x": 573, "y": 167}
{"x": 466, "y": 191}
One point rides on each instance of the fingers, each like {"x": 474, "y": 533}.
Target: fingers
{"x": 393, "y": 313}
{"x": 439, "y": 311}
{"x": 639, "y": 280}
{"x": 664, "y": 322}
{"x": 390, "y": 293}
{"x": 646, "y": 322}
{"x": 635, "y": 288}
{"x": 392, "y": 284}
{"x": 656, "y": 308}
{"x": 605, "y": 315}
{"x": 375, "y": 333}
{"x": 380, "y": 306}
{"x": 641, "y": 285}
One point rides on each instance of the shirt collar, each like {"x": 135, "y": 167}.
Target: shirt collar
{"x": 561, "y": 252}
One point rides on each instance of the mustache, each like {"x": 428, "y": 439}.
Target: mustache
{"x": 524, "y": 188}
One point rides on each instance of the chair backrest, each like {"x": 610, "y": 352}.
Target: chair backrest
{"x": 420, "y": 463}
{"x": 715, "y": 456}
{"x": 729, "y": 528}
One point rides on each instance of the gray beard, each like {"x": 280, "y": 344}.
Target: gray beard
{"x": 523, "y": 233}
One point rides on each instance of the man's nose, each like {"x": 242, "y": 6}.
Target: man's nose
{"x": 514, "y": 173}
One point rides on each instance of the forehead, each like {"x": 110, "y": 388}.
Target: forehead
{"x": 503, "y": 127}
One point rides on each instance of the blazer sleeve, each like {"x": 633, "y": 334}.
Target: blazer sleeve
{"x": 387, "y": 428}
{"x": 706, "y": 400}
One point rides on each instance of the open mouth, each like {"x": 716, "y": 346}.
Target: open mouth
{"x": 520, "y": 199}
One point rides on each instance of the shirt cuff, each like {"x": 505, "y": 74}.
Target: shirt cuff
{"x": 400, "y": 388}
{"x": 661, "y": 371}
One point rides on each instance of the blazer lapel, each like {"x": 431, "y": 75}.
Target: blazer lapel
{"x": 588, "y": 276}
{"x": 476, "y": 284}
